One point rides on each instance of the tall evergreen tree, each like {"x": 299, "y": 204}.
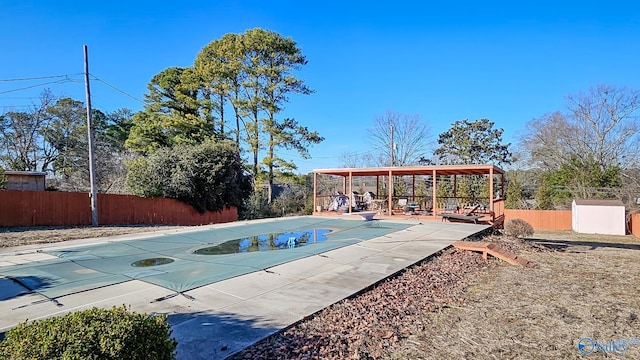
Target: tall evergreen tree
{"x": 473, "y": 142}
{"x": 513, "y": 196}
{"x": 253, "y": 73}
{"x": 171, "y": 114}
{"x": 220, "y": 66}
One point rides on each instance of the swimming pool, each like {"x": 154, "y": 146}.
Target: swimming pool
{"x": 182, "y": 261}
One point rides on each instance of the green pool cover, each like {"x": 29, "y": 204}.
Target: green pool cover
{"x": 78, "y": 269}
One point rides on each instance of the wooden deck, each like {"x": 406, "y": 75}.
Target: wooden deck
{"x": 389, "y": 175}
{"x": 487, "y": 219}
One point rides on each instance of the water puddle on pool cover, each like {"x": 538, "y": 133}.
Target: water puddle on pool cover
{"x": 267, "y": 242}
{"x": 152, "y": 262}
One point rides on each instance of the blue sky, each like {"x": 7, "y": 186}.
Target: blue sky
{"x": 443, "y": 60}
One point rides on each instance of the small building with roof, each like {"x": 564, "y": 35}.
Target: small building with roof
{"x": 593, "y": 216}
{"x": 25, "y": 180}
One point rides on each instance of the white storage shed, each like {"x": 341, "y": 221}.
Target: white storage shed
{"x": 605, "y": 217}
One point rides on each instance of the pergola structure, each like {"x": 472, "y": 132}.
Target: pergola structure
{"x": 495, "y": 203}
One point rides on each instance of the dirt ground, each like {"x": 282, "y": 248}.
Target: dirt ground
{"x": 587, "y": 287}
{"x": 14, "y": 236}
{"x": 457, "y": 305}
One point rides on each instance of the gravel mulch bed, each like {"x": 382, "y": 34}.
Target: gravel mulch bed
{"x": 369, "y": 325}
{"x": 459, "y": 306}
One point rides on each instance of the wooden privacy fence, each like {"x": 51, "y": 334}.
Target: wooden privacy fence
{"x": 542, "y": 219}
{"x": 559, "y": 219}
{"x": 53, "y": 208}
{"x": 634, "y": 224}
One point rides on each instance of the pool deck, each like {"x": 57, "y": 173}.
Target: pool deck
{"x": 217, "y": 320}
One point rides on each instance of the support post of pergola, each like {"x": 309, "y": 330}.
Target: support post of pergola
{"x": 455, "y": 186}
{"x": 495, "y": 202}
{"x": 434, "y": 196}
{"x": 351, "y": 197}
{"x": 390, "y": 194}
{"x": 491, "y": 189}
{"x": 315, "y": 191}
{"x": 413, "y": 189}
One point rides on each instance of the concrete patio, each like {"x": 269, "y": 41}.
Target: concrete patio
{"x": 219, "y": 319}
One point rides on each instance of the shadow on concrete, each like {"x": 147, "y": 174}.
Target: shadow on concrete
{"x": 210, "y": 336}
{"x": 11, "y": 287}
{"x": 566, "y": 245}
{"x": 203, "y": 335}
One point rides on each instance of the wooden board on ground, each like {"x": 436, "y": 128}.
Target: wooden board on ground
{"x": 493, "y": 250}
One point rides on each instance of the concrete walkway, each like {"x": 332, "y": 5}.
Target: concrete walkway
{"x": 217, "y": 320}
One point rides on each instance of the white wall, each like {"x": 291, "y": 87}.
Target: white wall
{"x": 593, "y": 219}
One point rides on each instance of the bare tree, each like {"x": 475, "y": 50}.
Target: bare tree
{"x": 600, "y": 126}
{"x": 630, "y": 191}
{"x": 412, "y": 139}
{"x": 548, "y": 142}
{"x": 354, "y": 160}
{"x": 22, "y": 145}
{"x": 606, "y": 118}
{"x": 592, "y": 148}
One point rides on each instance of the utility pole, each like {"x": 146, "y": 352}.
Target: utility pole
{"x": 392, "y": 145}
{"x": 92, "y": 172}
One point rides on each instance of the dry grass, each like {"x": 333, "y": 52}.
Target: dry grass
{"x": 583, "y": 286}
{"x": 14, "y": 236}
{"x": 454, "y": 307}
{"x": 586, "y": 287}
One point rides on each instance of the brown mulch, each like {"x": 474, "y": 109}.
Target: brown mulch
{"x": 370, "y": 324}
{"x": 459, "y": 306}
{"x": 515, "y": 245}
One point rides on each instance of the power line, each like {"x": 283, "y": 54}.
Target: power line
{"x": 20, "y": 98}
{"x": 67, "y": 79}
{"x": 64, "y": 79}
{"x": 117, "y": 89}
{"x": 35, "y": 78}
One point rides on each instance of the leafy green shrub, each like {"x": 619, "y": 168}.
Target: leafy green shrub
{"x": 256, "y": 207}
{"x": 293, "y": 199}
{"x": 207, "y": 176}
{"x": 518, "y": 228}
{"x": 3, "y": 178}
{"x": 91, "y": 334}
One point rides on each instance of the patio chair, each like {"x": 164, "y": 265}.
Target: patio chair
{"x": 428, "y": 208}
{"x": 356, "y": 201}
{"x": 367, "y": 199}
{"x": 401, "y": 204}
{"x": 469, "y": 217}
{"x": 472, "y": 210}
{"x": 451, "y": 206}
{"x": 482, "y": 206}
